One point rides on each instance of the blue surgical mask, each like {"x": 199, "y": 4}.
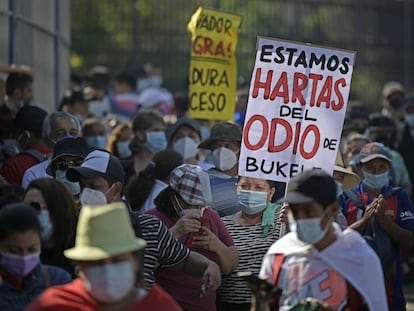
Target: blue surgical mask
{"x": 375, "y": 181}
{"x": 308, "y": 230}
{"x": 72, "y": 185}
{"x": 409, "y": 119}
{"x": 123, "y": 149}
{"x": 96, "y": 142}
{"x": 156, "y": 141}
{"x": 45, "y": 225}
{"x": 252, "y": 202}
{"x": 339, "y": 189}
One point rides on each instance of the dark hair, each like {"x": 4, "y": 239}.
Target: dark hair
{"x": 126, "y": 78}
{"x": 270, "y": 182}
{"x": 116, "y": 134}
{"x": 142, "y": 122}
{"x": 17, "y": 81}
{"x": 160, "y": 168}
{"x": 17, "y": 218}
{"x": 164, "y": 204}
{"x": 11, "y": 194}
{"x": 62, "y": 209}
{"x": 88, "y": 125}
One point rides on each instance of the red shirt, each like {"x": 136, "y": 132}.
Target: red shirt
{"x": 73, "y": 296}
{"x": 13, "y": 168}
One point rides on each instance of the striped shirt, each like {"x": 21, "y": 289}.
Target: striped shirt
{"x": 251, "y": 247}
{"x": 162, "y": 248}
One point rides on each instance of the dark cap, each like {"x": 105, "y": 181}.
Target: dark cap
{"x": 184, "y": 121}
{"x": 374, "y": 151}
{"x": 30, "y": 118}
{"x": 222, "y": 131}
{"x": 76, "y": 147}
{"x": 312, "y": 185}
{"x": 98, "y": 163}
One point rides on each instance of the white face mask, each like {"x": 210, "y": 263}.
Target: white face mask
{"x": 187, "y": 147}
{"x": 92, "y": 197}
{"x": 224, "y": 158}
{"x": 46, "y": 226}
{"x": 98, "y": 142}
{"x": 123, "y": 149}
{"x": 73, "y": 185}
{"x": 109, "y": 282}
{"x": 308, "y": 230}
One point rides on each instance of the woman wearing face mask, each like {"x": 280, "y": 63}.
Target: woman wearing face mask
{"x": 183, "y": 208}
{"x": 118, "y": 143}
{"x": 152, "y": 180}
{"x": 184, "y": 136}
{"x": 23, "y": 276}
{"x": 149, "y": 138}
{"x": 253, "y": 229}
{"x": 58, "y": 213}
{"x": 224, "y": 143}
{"x": 94, "y": 132}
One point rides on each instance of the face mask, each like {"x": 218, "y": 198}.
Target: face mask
{"x": 252, "y": 202}
{"x": 224, "y": 158}
{"x": 17, "y": 265}
{"x": 73, "y": 186}
{"x": 155, "y": 81}
{"x": 339, "y": 189}
{"x": 375, "y": 181}
{"x": 123, "y": 149}
{"x": 109, "y": 282}
{"x": 187, "y": 147}
{"x": 98, "y": 142}
{"x": 10, "y": 148}
{"x": 45, "y": 225}
{"x": 92, "y": 197}
{"x": 205, "y": 132}
{"x": 409, "y": 119}
{"x": 97, "y": 109}
{"x": 142, "y": 84}
{"x": 156, "y": 141}
{"x": 308, "y": 230}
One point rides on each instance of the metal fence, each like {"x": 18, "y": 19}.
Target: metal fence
{"x": 125, "y": 34}
{"x": 37, "y": 34}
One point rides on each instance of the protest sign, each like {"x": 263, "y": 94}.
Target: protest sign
{"x": 213, "y": 67}
{"x": 296, "y": 109}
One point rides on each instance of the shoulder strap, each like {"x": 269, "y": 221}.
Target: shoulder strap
{"x": 355, "y": 199}
{"x": 46, "y": 276}
{"x": 35, "y": 154}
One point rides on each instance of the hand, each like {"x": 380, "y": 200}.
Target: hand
{"x": 186, "y": 224}
{"x": 211, "y": 278}
{"x": 207, "y": 240}
{"x": 371, "y": 210}
{"x": 380, "y": 206}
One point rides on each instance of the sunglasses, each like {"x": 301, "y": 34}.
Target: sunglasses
{"x": 64, "y": 165}
{"x": 36, "y": 206}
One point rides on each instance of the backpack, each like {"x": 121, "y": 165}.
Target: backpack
{"x": 376, "y": 237}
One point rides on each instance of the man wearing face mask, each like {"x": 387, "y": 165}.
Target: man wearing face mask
{"x": 383, "y": 130}
{"x": 385, "y": 207}
{"x": 110, "y": 261}
{"x": 318, "y": 260}
{"x": 224, "y": 142}
{"x": 101, "y": 178}
{"x": 94, "y": 132}
{"x": 184, "y": 136}
{"x": 67, "y": 152}
{"x": 32, "y": 145}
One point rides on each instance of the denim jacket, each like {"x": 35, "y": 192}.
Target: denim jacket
{"x": 12, "y": 298}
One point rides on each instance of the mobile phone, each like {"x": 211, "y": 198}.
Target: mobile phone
{"x": 254, "y": 279}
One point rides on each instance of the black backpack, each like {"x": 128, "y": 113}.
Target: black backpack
{"x": 376, "y": 237}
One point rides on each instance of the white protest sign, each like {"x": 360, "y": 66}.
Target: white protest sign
{"x": 296, "y": 109}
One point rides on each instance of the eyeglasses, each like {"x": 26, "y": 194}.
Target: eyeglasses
{"x": 64, "y": 165}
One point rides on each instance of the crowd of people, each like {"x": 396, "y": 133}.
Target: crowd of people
{"x": 119, "y": 200}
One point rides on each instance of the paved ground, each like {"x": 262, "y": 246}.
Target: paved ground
{"x": 409, "y": 295}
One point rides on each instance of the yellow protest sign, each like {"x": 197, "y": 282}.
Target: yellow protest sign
{"x": 213, "y": 67}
